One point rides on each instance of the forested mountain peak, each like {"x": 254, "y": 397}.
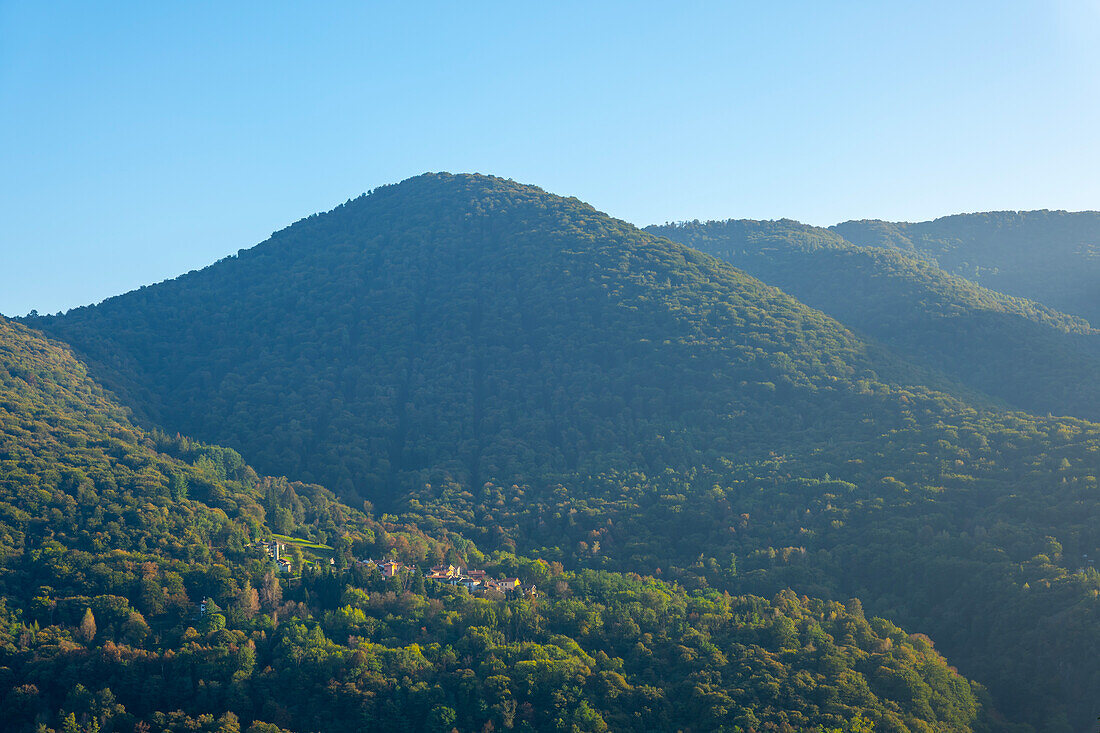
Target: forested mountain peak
{"x": 477, "y": 326}
{"x": 436, "y": 198}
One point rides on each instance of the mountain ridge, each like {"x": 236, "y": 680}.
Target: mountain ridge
{"x": 1023, "y": 353}
{"x": 1051, "y": 256}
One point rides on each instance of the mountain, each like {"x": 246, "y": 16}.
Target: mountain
{"x": 482, "y": 358}
{"x": 478, "y": 327}
{"x": 1052, "y": 257}
{"x": 1023, "y": 353}
{"x": 134, "y": 598}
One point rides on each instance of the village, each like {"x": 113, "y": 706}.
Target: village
{"x": 473, "y": 580}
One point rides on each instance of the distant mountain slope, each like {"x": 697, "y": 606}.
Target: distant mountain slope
{"x": 480, "y": 327}
{"x": 1052, "y": 257}
{"x": 1030, "y": 356}
{"x": 131, "y": 599}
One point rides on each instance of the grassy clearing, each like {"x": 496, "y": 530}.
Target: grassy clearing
{"x": 311, "y": 551}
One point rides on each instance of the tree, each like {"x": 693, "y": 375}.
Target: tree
{"x": 248, "y": 600}
{"x": 177, "y": 486}
{"x": 271, "y": 593}
{"x": 212, "y": 619}
{"x": 295, "y": 557}
{"x": 441, "y": 718}
{"x": 87, "y": 626}
{"x": 69, "y": 725}
{"x": 282, "y": 521}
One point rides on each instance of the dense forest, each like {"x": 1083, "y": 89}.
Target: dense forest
{"x": 134, "y": 599}
{"x": 500, "y": 371}
{"x": 1049, "y": 256}
{"x": 1020, "y": 352}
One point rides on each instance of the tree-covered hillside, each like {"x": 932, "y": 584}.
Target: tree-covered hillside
{"x": 978, "y": 529}
{"x": 135, "y": 599}
{"x": 488, "y": 359}
{"x": 1052, "y": 257}
{"x": 1031, "y": 357}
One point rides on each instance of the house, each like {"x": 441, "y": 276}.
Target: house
{"x": 444, "y": 573}
{"x": 507, "y": 585}
{"x": 284, "y": 565}
{"x": 273, "y": 549}
{"x": 391, "y": 568}
{"x": 447, "y": 571}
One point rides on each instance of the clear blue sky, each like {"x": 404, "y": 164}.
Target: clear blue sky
{"x": 142, "y": 140}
